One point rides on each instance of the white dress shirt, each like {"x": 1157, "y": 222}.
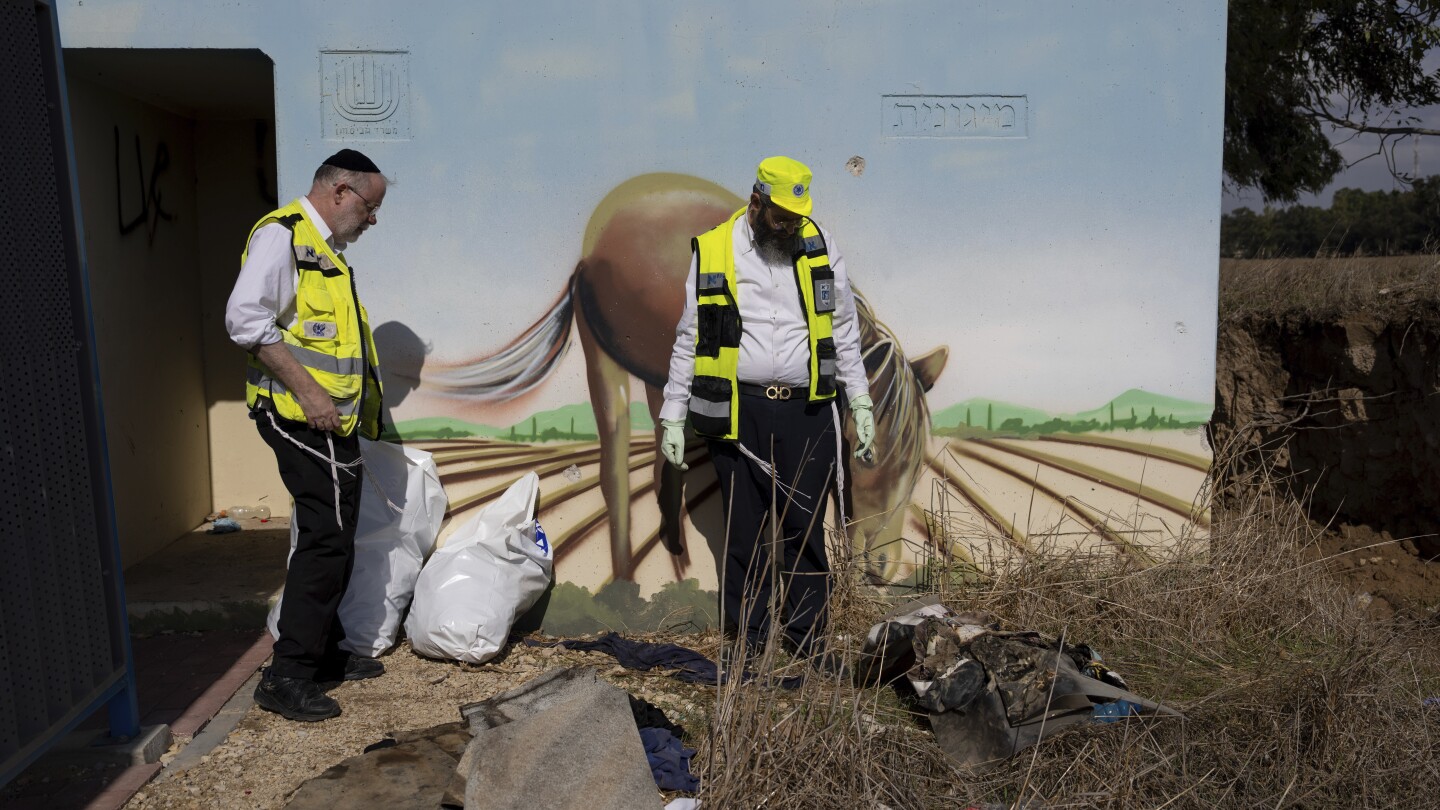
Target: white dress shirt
{"x": 263, "y": 300}
{"x": 775, "y": 338}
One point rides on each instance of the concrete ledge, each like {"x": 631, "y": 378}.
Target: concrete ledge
{"x": 91, "y": 748}
{"x": 214, "y": 731}
{"x": 197, "y": 615}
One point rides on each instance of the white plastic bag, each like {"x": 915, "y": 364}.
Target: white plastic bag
{"x": 487, "y": 574}
{"x": 390, "y": 546}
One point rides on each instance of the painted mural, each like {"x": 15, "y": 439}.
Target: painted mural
{"x": 958, "y": 485}
{"x": 1026, "y": 193}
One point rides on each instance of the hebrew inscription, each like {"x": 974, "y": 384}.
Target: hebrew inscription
{"x": 955, "y": 116}
{"x": 364, "y": 95}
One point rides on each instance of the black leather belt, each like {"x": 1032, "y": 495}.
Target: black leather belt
{"x": 772, "y": 390}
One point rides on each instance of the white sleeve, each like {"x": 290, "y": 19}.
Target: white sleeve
{"x": 682, "y": 358}
{"x": 264, "y": 289}
{"x": 849, "y": 368}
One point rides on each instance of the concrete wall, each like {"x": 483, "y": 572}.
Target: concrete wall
{"x": 235, "y": 172}
{"x": 140, "y": 241}
{"x": 1027, "y": 193}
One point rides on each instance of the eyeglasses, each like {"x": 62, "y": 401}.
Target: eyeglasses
{"x": 787, "y": 222}
{"x": 369, "y": 206}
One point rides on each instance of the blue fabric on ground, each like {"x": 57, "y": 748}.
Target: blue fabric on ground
{"x": 1114, "y": 711}
{"x": 669, "y": 760}
{"x": 641, "y": 655}
{"x": 223, "y": 526}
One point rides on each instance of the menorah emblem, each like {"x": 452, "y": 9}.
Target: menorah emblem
{"x": 364, "y": 95}
{"x": 365, "y": 89}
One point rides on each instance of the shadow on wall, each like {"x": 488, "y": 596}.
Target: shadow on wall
{"x": 402, "y": 357}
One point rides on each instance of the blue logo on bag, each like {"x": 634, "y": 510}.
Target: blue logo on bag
{"x": 540, "y": 541}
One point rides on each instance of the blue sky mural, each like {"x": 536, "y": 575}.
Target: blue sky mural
{"x": 1061, "y": 267}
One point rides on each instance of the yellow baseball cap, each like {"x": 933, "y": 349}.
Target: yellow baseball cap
{"x": 786, "y": 182}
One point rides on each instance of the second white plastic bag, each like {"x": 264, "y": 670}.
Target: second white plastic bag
{"x": 493, "y": 569}
{"x": 390, "y": 545}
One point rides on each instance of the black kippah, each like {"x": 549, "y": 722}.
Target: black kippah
{"x": 353, "y": 161}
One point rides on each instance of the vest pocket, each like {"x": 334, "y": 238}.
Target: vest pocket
{"x": 825, "y": 367}
{"x": 315, "y": 310}
{"x": 822, "y": 280}
{"x": 710, "y": 405}
{"x": 717, "y": 326}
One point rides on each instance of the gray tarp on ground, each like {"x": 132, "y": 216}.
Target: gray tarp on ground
{"x": 565, "y": 739}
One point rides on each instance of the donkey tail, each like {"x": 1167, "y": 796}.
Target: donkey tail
{"x": 523, "y": 364}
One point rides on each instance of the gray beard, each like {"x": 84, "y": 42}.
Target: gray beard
{"x": 775, "y": 248}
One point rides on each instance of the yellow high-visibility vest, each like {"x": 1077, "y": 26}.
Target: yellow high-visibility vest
{"x": 714, "y": 391}
{"x": 331, "y": 336}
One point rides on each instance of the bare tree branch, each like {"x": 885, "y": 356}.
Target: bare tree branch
{"x": 1361, "y": 127}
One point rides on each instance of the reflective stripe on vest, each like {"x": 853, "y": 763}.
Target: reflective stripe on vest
{"x": 273, "y": 388}
{"x": 331, "y": 337}
{"x": 714, "y": 390}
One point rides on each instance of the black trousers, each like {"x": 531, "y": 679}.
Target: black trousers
{"x": 797, "y": 438}
{"x": 324, "y": 556}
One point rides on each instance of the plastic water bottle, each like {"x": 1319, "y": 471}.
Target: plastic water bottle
{"x": 261, "y": 512}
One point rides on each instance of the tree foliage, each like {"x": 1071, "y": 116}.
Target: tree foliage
{"x": 1377, "y": 223}
{"x": 1299, "y": 71}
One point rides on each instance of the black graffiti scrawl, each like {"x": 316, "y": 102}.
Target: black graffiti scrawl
{"x": 152, "y": 210}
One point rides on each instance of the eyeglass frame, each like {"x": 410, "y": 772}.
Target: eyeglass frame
{"x": 370, "y": 208}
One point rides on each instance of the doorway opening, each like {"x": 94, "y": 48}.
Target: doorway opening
{"x": 175, "y": 156}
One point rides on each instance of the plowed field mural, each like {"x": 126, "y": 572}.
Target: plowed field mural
{"x": 958, "y": 486}
{"x": 979, "y": 498}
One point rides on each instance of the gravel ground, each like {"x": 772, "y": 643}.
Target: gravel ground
{"x": 266, "y": 758}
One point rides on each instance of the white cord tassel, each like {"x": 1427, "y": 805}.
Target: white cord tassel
{"x": 380, "y": 490}
{"x": 769, "y": 472}
{"x": 335, "y": 466}
{"x": 334, "y": 478}
{"x": 839, "y": 463}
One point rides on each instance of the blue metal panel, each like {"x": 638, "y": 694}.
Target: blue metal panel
{"x": 64, "y": 643}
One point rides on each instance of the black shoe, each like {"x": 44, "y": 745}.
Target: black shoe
{"x": 358, "y": 668}
{"x": 355, "y": 668}
{"x": 295, "y": 698}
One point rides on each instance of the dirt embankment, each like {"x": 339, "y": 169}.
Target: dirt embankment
{"x": 1329, "y": 370}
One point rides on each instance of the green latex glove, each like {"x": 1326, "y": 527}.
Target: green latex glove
{"x": 860, "y": 408}
{"x": 672, "y": 442}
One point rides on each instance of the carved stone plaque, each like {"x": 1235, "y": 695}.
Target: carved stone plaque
{"x": 365, "y": 95}
{"x": 955, "y": 116}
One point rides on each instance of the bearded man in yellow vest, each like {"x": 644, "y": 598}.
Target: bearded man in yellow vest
{"x": 313, "y": 387}
{"x": 767, "y": 348}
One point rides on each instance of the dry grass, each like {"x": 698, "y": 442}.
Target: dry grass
{"x": 1292, "y": 697}
{"x": 1396, "y": 287}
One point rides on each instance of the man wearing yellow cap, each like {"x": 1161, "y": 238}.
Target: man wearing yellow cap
{"x": 767, "y": 342}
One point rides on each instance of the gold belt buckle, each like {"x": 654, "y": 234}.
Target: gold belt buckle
{"x": 777, "y": 392}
